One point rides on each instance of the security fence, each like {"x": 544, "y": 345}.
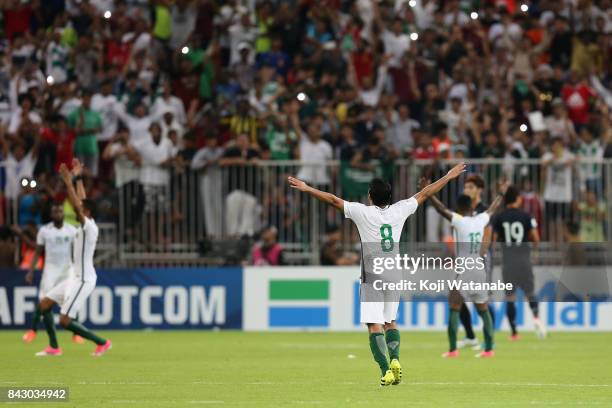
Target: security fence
{"x": 210, "y": 216}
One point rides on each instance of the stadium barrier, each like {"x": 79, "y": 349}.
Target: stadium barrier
{"x": 261, "y": 299}
{"x": 190, "y": 207}
{"x": 180, "y": 219}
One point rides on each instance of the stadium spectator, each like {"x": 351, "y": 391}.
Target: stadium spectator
{"x": 558, "y": 166}
{"x": 267, "y": 252}
{"x": 156, "y": 157}
{"x": 206, "y": 162}
{"x": 241, "y": 207}
{"x": 435, "y": 81}
{"x": 86, "y": 124}
{"x": 332, "y": 252}
{"x": 314, "y": 151}
{"x": 20, "y": 163}
{"x": 126, "y": 164}
{"x": 592, "y": 215}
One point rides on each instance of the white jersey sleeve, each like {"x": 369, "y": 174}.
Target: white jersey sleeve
{"x": 91, "y": 229}
{"x": 483, "y": 219}
{"x": 408, "y": 206}
{"x": 354, "y": 211}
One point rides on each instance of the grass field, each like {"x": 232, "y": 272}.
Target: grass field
{"x": 178, "y": 369}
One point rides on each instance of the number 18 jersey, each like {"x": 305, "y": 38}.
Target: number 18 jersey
{"x": 469, "y": 231}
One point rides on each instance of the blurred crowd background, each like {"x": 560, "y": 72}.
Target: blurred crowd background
{"x": 188, "y": 114}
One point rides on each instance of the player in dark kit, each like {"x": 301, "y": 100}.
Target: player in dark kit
{"x": 517, "y": 230}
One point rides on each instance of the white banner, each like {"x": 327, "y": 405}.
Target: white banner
{"x": 327, "y": 298}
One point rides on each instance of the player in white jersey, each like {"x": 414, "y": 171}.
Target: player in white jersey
{"x": 73, "y": 293}
{"x": 55, "y": 239}
{"x": 469, "y": 231}
{"x": 380, "y": 223}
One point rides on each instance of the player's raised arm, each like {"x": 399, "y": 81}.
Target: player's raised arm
{"x": 488, "y": 239}
{"x": 437, "y": 204}
{"x": 74, "y": 199}
{"x": 77, "y": 172}
{"x": 433, "y": 188}
{"x": 327, "y": 198}
{"x": 498, "y": 199}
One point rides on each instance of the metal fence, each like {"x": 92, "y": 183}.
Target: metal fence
{"x": 204, "y": 217}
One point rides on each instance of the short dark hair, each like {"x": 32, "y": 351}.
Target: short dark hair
{"x": 511, "y": 195}
{"x": 464, "y": 203}
{"x": 475, "y": 179}
{"x": 380, "y": 192}
{"x": 91, "y": 206}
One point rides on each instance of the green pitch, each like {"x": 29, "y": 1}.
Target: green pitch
{"x": 226, "y": 369}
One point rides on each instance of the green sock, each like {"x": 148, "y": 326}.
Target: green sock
{"x": 487, "y": 328}
{"x": 36, "y": 318}
{"x": 453, "y": 322}
{"x": 393, "y": 343}
{"x": 50, "y": 327}
{"x": 78, "y": 328}
{"x": 379, "y": 351}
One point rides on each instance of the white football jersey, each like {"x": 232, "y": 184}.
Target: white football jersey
{"x": 469, "y": 232}
{"x": 84, "y": 249}
{"x": 380, "y": 228}
{"x": 58, "y": 246}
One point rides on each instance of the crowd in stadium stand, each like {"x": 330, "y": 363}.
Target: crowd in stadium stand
{"x": 139, "y": 90}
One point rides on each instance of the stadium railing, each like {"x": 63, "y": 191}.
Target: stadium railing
{"x": 206, "y": 217}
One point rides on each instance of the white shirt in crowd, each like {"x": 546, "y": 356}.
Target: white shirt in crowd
{"x": 105, "y": 105}
{"x": 16, "y": 119}
{"x": 591, "y": 151}
{"x": 183, "y": 23}
{"x": 559, "y": 127}
{"x": 396, "y": 45}
{"x": 125, "y": 169}
{"x": 399, "y": 132}
{"x": 558, "y": 187}
{"x": 205, "y": 156}
{"x": 20, "y": 85}
{"x": 152, "y": 155}
{"x": 174, "y": 125}
{"x": 138, "y": 127}
{"x": 317, "y": 152}
{"x": 58, "y": 247}
{"x": 68, "y": 105}
{"x": 237, "y": 35}
{"x": 56, "y": 57}
{"x": 170, "y": 104}
{"x": 455, "y": 17}
{"x": 370, "y": 97}
{"x": 16, "y": 171}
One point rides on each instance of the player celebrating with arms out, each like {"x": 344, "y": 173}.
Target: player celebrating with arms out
{"x": 380, "y": 221}
{"x": 72, "y": 293}
{"x": 469, "y": 232}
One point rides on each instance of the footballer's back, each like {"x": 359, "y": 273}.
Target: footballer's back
{"x": 380, "y": 224}
{"x": 512, "y": 226}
